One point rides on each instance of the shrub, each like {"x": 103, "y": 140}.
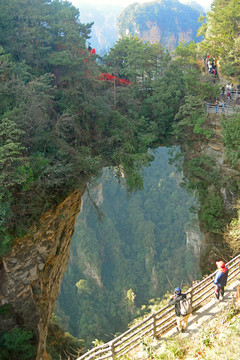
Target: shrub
{"x": 17, "y": 344}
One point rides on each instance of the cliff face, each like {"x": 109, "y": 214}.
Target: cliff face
{"x": 225, "y": 189}
{"x": 167, "y": 22}
{"x": 156, "y": 33}
{"x": 31, "y": 273}
{"x": 215, "y": 149}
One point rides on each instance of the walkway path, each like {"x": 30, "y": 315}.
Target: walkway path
{"x": 196, "y": 321}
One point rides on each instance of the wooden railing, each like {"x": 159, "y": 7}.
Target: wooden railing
{"x": 161, "y": 321}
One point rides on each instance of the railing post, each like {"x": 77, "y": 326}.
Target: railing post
{"x": 154, "y": 326}
{"x": 190, "y": 297}
{"x": 112, "y": 350}
{"x": 238, "y": 298}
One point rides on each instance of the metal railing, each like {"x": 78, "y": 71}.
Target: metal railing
{"x": 224, "y": 104}
{"x": 159, "y": 322}
{"x": 221, "y": 108}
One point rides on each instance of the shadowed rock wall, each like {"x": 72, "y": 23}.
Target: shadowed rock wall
{"x": 214, "y": 246}
{"x": 31, "y": 273}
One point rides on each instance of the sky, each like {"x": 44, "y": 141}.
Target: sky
{"x": 204, "y": 3}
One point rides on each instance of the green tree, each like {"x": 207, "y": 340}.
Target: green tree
{"x": 168, "y": 93}
{"x": 136, "y": 60}
{"x": 221, "y": 34}
{"x": 10, "y": 152}
{"x": 38, "y": 28}
{"x": 14, "y": 170}
{"x": 231, "y": 133}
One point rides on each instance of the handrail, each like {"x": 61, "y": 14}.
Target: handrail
{"x": 228, "y": 107}
{"x": 160, "y": 322}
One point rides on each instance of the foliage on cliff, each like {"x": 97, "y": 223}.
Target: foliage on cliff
{"x": 231, "y": 133}
{"x": 18, "y": 343}
{"x": 171, "y": 17}
{"x": 232, "y": 233}
{"x": 62, "y": 345}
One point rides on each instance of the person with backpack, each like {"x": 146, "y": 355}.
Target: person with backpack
{"x": 182, "y": 308}
{"x": 220, "y": 279}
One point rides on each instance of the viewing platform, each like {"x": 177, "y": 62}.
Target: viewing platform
{"x": 224, "y": 104}
{"x": 222, "y": 109}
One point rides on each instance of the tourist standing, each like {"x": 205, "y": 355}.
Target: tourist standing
{"x": 220, "y": 279}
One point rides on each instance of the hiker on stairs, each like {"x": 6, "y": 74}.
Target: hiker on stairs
{"x": 182, "y": 308}
{"x": 220, "y": 279}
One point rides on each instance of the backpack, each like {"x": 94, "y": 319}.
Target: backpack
{"x": 185, "y": 307}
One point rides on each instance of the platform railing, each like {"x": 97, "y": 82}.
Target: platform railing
{"x": 160, "y": 322}
{"x": 219, "y": 108}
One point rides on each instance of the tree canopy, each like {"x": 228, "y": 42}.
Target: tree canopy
{"x": 61, "y": 123}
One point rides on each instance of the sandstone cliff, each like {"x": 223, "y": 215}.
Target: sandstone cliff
{"x": 31, "y": 273}
{"x": 219, "y": 180}
{"x": 166, "y": 22}
{"x": 155, "y": 33}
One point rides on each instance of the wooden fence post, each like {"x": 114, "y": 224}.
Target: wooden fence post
{"x": 112, "y": 350}
{"x": 237, "y": 301}
{"x": 154, "y": 326}
{"x": 190, "y": 297}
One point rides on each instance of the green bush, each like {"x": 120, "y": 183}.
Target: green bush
{"x": 231, "y": 134}
{"x": 212, "y": 213}
{"x": 17, "y": 344}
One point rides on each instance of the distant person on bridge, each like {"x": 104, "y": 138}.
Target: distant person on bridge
{"x": 177, "y": 299}
{"x": 228, "y": 96}
{"x": 220, "y": 280}
{"x": 89, "y": 47}
{"x": 222, "y": 105}
{"x": 223, "y": 90}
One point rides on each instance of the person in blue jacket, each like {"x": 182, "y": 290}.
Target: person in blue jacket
{"x": 220, "y": 279}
